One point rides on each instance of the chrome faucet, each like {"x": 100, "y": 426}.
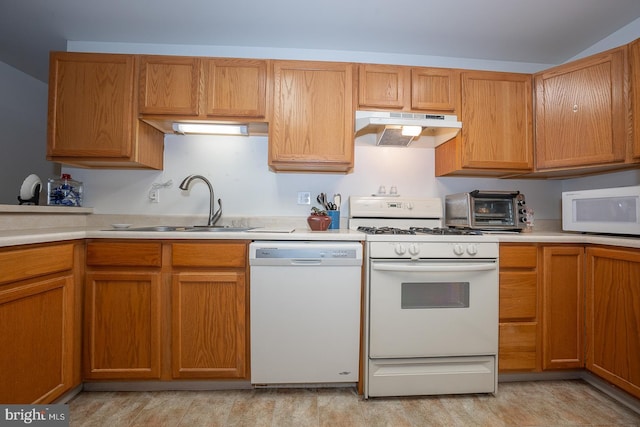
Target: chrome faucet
{"x": 213, "y": 217}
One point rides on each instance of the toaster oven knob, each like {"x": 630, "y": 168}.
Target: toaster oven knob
{"x": 400, "y": 249}
{"x": 414, "y": 249}
{"x": 458, "y": 249}
{"x": 472, "y": 249}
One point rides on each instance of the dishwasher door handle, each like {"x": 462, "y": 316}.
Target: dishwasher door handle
{"x": 305, "y": 261}
{"x": 434, "y": 268}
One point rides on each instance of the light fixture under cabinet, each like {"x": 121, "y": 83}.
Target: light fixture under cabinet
{"x": 211, "y": 129}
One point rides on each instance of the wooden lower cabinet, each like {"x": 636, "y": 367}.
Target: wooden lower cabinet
{"x": 613, "y": 316}
{"x": 39, "y": 323}
{"x": 122, "y": 327}
{"x": 519, "y": 325}
{"x": 208, "y": 325}
{"x": 166, "y": 310}
{"x": 209, "y": 310}
{"x": 123, "y": 308}
{"x": 563, "y": 307}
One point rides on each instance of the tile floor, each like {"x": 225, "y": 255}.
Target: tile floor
{"x": 543, "y": 403}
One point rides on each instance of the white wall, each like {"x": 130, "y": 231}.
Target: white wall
{"x": 237, "y": 167}
{"x": 23, "y": 120}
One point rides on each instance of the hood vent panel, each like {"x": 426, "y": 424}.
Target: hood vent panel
{"x": 387, "y": 126}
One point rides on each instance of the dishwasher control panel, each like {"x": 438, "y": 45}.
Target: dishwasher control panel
{"x": 321, "y": 252}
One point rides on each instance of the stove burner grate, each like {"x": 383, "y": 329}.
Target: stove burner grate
{"x": 420, "y": 230}
{"x": 385, "y": 230}
{"x": 446, "y": 231}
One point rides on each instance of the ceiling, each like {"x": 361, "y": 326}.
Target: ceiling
{"x": 533, "y": 31}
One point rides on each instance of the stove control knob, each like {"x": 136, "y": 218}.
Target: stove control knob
{"x": 458, "y": 249}
{"x": 414, "y": 249}
{"x": 400, "y": 249}
{"x": 472, "y": 249}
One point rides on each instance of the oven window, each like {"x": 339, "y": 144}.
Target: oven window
{"x": 424, "y": 295}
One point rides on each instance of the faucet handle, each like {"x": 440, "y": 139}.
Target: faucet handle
{"x": 216, "y": 216}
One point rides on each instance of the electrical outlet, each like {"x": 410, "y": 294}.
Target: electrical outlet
{"x": 154, "y": 195}
{"x": 304, "y": 197}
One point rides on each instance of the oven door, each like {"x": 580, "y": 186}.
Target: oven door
{"x": 433, "y": 308}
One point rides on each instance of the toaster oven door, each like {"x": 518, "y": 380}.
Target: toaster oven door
{"x": 488, "y": 213}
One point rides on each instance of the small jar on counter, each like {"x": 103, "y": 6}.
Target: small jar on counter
{"x": 64, "y": 191}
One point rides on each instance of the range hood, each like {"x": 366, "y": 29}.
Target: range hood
{"x": 388, "y": 127}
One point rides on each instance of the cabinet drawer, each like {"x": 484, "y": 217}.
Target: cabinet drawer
{"x": 518, "y": 295}
{"x": 518, "y": 256}
{"x": 209, "y": 255}
{"x": 517, "y": 349}
{"x": 124, "y": 254}
{"x": 23, "y": 264}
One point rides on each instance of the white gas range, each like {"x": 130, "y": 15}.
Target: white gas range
{"x": 431, "y": 300}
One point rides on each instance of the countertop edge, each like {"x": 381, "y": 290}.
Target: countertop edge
{"x": 44, "y": 235}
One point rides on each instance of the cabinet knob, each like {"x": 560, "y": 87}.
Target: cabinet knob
{"x": 575, "y": 108}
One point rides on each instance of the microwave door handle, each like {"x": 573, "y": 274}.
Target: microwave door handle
{"x": 434, "y": 268}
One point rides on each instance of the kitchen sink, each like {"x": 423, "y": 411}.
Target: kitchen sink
{"x": 216, "y": 228}
{"x": 203, "y": 228}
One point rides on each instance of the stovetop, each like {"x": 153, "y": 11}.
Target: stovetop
{"x": 435, "y": 231}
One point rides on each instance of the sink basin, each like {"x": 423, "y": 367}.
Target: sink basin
{"x": 218, "y": 229}
{"x": 204, "y": 228}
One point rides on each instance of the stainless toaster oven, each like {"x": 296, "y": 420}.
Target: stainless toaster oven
{"x": 486, "y": 210}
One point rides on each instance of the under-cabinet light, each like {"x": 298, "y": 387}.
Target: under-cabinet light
{"x": 411, "y": 130}
{"x": 211, "y": 129}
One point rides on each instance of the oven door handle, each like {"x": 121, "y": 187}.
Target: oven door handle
{"x": 434, "y": 268}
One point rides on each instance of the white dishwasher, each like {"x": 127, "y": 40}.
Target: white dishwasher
{"x": 305, "y": 312}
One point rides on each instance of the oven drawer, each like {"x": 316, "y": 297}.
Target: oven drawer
{"x": 429, "y": 376}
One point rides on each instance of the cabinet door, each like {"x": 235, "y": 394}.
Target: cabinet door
{"x": 169, "y": 85}
{"x": 435, "y": 89}
{"x": 313, "y": 117}
{"x": 209, "y": 325}
{"x": 93, "y": 117}
{"x": 581, "y": 112}
{"x": 497, "y": 126}
{"x": 37, "y": 340}
{"x": 563, "y": 307}
{"x": 383, "y": 86}
{"x": 122, "y": 325}
{"x": 91, "y": 105}
{"x": 613, "y": 316}
{"x": 634, "y": 61}
{"x": 236, "y": 87}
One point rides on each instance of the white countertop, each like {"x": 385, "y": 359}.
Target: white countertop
{"x": 42, "y": 235}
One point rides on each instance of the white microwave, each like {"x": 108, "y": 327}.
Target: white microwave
{"x": 606, "y": 210}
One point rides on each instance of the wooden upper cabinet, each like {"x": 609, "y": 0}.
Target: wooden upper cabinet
{"x": 497, "y": 127}
{"x": 169, "y": 85}
{"x": 93, "y": 117}
{"x": 235, "y": 87}
{"x": 202, "y": 88}
{"x": 435, "y": 89}
{"x": 408, "y": 88}
{"x": 382, "y": 86}
{"x": 634, "y": 61}
{"x": 313, "y": 117}
{"x": 581, "y": 112}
